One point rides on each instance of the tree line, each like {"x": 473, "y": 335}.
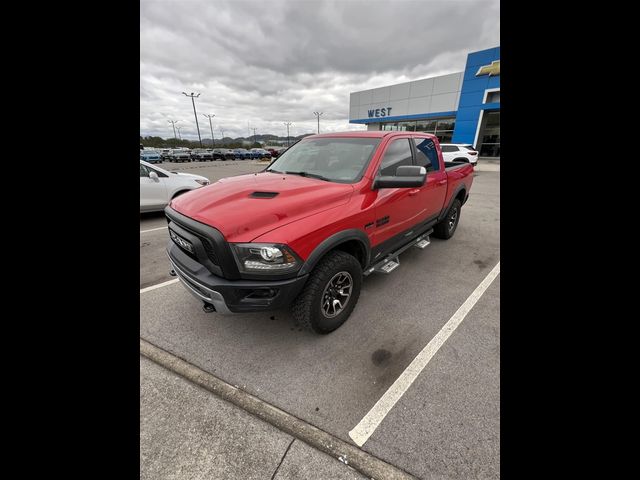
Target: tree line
{"x": 159, "y": 142}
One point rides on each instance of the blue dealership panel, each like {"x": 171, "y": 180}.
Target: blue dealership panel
{"x": 472, "y": 94}
{"x": 481, "y": 73}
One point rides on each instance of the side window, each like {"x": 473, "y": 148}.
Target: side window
{"x": 144, "y": 171}
{"x": 426, "y": 154}
{"x": 450, "y": 148}
{"x": 398, "y": 153}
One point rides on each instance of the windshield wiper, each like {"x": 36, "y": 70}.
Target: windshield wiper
{"x": 272, "y": 170}
{"x": 311, "y": 175}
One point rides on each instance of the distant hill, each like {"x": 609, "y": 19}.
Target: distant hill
{"x": 264, "y": 139}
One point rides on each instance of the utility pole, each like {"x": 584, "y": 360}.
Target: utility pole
{"x": 179, "y": 132}
{"x": 254, "y": 134}
{"x": 317, "y": 114}
{"x": 213, "y": 142}
{"x": 192, "y": 95}
{"x": 173, "y": 123}
{"x": 288, "y": 124}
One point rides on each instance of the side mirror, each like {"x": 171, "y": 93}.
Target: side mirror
{"x": 407, "y": 176}
{"x": 154, "y": 176}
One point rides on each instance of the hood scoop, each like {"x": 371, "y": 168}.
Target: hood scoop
{"x": 263, "y": 194}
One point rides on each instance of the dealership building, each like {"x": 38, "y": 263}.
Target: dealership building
{"x": 461, "y": 107}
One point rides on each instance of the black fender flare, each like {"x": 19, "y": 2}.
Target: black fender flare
{"x": 444, "y": 211}
{"x": 333, "y": 241}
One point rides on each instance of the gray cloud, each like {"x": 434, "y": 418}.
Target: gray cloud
{"x": 273, "y": 61}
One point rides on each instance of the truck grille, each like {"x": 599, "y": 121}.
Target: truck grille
{"x": 206, "y": 243}
{"x": 211, "y": 253}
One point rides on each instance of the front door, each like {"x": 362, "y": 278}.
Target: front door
{"x": 397, "y": 209}
{"x": 153, "y": 193}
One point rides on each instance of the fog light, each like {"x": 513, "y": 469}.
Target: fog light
{"x": 263, "y": 293}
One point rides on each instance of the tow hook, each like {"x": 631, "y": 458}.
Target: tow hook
{"x": 173, "y": 273}
{"x": 208, "y": 308}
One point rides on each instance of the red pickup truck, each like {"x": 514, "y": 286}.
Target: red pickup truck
{"x": 303, "y": 232}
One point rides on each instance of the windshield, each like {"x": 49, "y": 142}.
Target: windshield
{"x": 336, "y": 159}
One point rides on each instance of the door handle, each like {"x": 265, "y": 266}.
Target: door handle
{"x": 442, "y": 182}
{"x": 414, "y": 192}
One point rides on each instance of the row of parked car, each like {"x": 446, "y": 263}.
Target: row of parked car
{"x": 203, "y": 155}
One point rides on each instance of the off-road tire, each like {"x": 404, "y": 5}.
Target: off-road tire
{"x": 443, "y": 229}
{"x": 307, "y": 307}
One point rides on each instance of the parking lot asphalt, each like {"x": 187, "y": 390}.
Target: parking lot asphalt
{"x": 447, "y": 423}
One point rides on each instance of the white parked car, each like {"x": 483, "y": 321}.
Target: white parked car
{"x": 158, "y": 186}
{"x": 458, "y": 152}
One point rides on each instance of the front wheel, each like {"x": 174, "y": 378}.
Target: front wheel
{"x": 447, "y": 227}
{"x": 330, "y": 294}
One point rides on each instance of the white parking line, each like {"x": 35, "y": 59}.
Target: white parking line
{"x": 159, "y": 285}
{"x": 361, "y": 432}
{"x": 152, "y": 229}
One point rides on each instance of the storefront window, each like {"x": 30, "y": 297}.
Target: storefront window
{"x": 444, "y": 137}
{"x": 442, "y": 126}
{"x": 428, "y": 126}
{"x": 407, "y": 126}
{"x": 489, "y": 137}
{"x": 446, "y": 124}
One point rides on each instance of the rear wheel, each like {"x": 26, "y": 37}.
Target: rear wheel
{"x": 330, "y": 294}
{"x": 447, "y": 227}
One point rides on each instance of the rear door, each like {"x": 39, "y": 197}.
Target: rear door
{"x": 396, "y": 209}
{"x": 153, "y": 193}
{"x": 432, "y": 194}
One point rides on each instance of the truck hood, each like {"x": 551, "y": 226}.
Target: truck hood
{"x": 248, "y": 206}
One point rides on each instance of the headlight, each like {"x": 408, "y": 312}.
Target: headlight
{"x": 265, "y": 257}
{"x": 203, "y": 182}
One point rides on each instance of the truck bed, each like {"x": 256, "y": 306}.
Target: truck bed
{"x": 452, "y": 165}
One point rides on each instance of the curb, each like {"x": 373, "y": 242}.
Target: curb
{"x": 348, "y": 454}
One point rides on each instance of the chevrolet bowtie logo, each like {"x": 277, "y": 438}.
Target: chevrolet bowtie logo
{"x": 491, "y": 70}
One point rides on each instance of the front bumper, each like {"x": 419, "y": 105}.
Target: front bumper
{"x": 232, "y": 296}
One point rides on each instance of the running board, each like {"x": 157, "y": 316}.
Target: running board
{"x": 424, "y": 243}
{"x": 388, "y": 266}
{"x": 392, "y": 261}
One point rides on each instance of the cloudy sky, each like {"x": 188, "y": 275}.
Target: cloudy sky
{"x": 268, "y": 62}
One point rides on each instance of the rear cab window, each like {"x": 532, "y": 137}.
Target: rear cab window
{"x": 427, "y": 154}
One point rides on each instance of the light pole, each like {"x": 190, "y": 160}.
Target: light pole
{"x": 213, "y": 142}
{"x": 288, "y": 124}
{"x": 254, "y": 134}
{"x": 317, "y": 114}
{"x": 173, "y": 123}
{"x": 222, "y": 133}
{"x": 192, "y": 95}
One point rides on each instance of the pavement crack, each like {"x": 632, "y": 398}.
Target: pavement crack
{"x": 282, "y": 459}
